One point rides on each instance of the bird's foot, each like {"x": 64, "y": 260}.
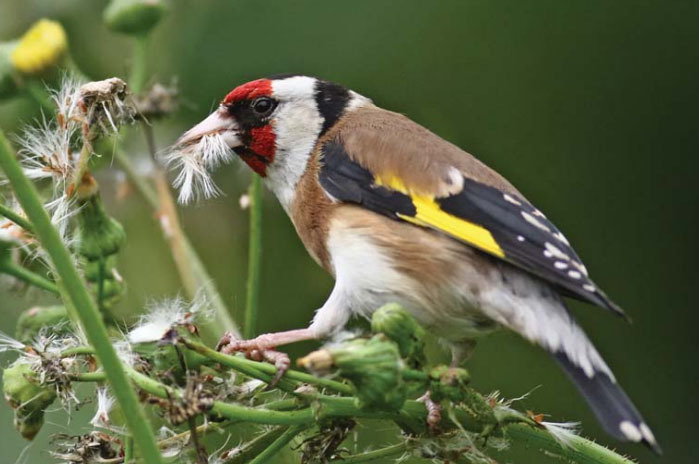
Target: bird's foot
{"x": 434, "y": 411}
{"x": 261, "y": 348}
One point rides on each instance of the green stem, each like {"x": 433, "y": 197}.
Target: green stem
{"x": 81, "y": 167}
{"x": 278, "y": 444}
{"x": 579, "y": 450}
{"x": 100, "y": 284}
{"x": 254, "y": 257}
{"x": 16, "y": 218}
{"x": 25, "y": 275}
{"x": 139, "y": 62}
{"x": 382, "y": 453}
{"x": 244, "y": 365}
{"x": 128, "y": 450}
{"x": 255, "y": 447}
{"x": 80, "y": 298}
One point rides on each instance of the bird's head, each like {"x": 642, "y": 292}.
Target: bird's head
{"x": 273, "y": 123}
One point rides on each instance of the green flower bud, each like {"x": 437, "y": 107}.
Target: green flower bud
{"x": 373, "y": 366}
{"x": 448, "y": 383}
{"x": 91, "y": 269}
{"x": 8, "y": 80}
{"x": 398, "y": 325}
{"x": 32, "y": 320}
{"x": 100, "y": 234}
{"x": 28, "y": 398}
{"x": 112, "y": 288}
{"x": 134, "y": 16}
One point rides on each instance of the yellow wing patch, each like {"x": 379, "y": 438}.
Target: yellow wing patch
{"x": 429, "y": 214}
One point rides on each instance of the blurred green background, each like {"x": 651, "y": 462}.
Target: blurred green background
{"x": 590, "y": 108}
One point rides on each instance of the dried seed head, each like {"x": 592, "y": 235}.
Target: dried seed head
{"x": 106, "y": 104}
{"x": 84, "y": 449}
{"x": 158, "y": 101}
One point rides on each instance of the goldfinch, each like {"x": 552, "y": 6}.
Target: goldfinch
{"x": 397, "y": 214}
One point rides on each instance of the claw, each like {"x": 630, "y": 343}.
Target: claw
{"x": 257, "y": 349}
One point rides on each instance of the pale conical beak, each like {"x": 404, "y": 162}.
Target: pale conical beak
{"x": 219, "y": 122}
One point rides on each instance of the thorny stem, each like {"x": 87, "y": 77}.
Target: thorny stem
{"x": 80, "y": 298}
{"x": 16, "y": 218}
{"x": 579, "y": 449}
{"x": 25, "y": 275}
{"x": 278, "y": 444}
{"x": 254, "y": 258}
{"x": 375, "y": 455}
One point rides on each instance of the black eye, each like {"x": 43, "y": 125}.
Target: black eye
{"x": 263, "y": 106}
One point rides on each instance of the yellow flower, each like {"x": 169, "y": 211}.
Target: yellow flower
{"x": 41, "y": 47}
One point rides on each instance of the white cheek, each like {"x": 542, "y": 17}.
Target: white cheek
{"x": 296, "y": 126}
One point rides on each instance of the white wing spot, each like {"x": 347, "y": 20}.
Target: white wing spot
{"x": 535, "y": 222}
{"x": 539, "y": 213}
{"x": 589, "y": 288}
{"x": 512, "y": 199}
{"x": 555, "y": 251}
{"x": 562, "y": 238}
{"x": 580, "y": 267}
{"x": 630, "y": 431}
{"x": 646, "y": 432}
{"x": 574, "y": 274}
{"x": 548, "y": 254}
{"x": 560, "y": 265}
{"x": 520, "y": 238}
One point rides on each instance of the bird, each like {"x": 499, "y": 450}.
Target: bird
{"x": 396, "y": 213}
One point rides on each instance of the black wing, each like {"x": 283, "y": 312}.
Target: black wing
{"x": 498, "y": 223}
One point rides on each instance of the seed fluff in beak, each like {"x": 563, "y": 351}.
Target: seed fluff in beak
{"x": 198, "y": 152}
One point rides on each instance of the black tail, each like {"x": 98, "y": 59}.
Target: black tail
{"x": 611, "y": 405}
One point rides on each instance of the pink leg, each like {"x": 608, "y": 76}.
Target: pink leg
{"x": 434, "y": 411}
{"x": 263, "y": 347}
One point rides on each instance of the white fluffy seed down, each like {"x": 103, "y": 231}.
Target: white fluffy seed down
{"x": 195, "y": 163}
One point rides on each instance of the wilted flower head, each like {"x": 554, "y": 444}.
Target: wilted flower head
{"x": 40, "y": 48}
{"x": 60, "y": 149}
{"x": 195, "y": 162}
{"x": 166, "y": 315}
{"x": 83, "y": 449}
{"x": 104, "y": 103}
